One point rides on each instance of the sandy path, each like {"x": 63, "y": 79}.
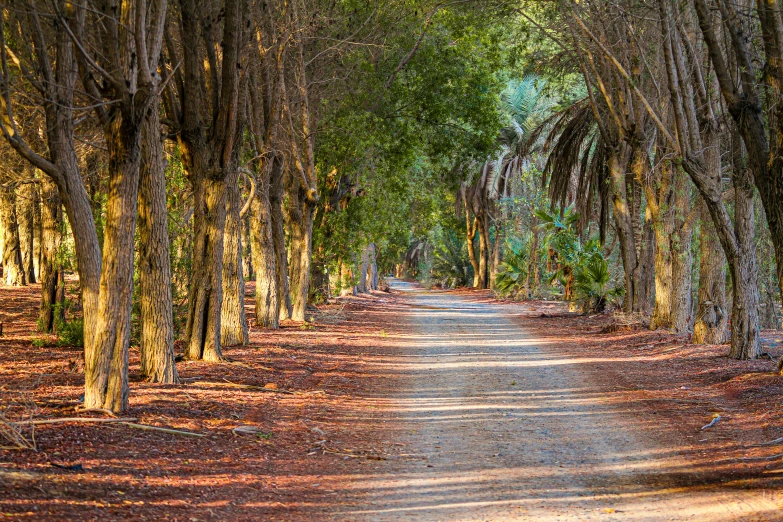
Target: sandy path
{"x": 495, "y": 427}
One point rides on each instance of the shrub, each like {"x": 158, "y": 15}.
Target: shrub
{"x": 592, "y": 285}
{"x": 512, "y": 271}
{"x": 450, "y": 264}
{"x": 71, "y": 333}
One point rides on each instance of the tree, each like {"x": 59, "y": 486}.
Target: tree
{"x": 203, "y": 112}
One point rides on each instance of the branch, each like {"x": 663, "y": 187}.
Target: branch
{"x": 407, "y": 58}
{"x": 627, "y": 77}
{"x": 118, "y": 84}
{"x": 252, "y": 179}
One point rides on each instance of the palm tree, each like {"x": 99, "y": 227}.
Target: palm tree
{"x": 526, "y": 109}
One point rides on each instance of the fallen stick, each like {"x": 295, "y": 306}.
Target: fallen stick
{"x": 163, "y": 430}
{"x": 70, "y": 419}
{"x": 771, "y": 457}
{"x": 96, "y": 410}
{"x": 230, "y": 384}
{"x": 772, "y": 442}
{"x": 256, "y": 388}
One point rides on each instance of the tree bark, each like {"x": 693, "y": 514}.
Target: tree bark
{"x": 497, "y": 254}
{"x": 745, "y": 338}
{"x": 205, "y": 296}
{"x": 682, "y": 257}
{"x": 208, "y": 137}
{"x": 37, "y": 230}
{"x": 484, "y": 250}
{"x": 624, "y": 230}
{"x": 301, "y": 215}
{"x": 106, "y": 361}
{"x": 13, "y": 271}
{"x": 662, "y": 311}
{"x": 50, "y": 267}
{"x": 660, "y": 199}
{"x": 267, "y": 308}
{"x": 373, "y": 278}
{"x": 472, "y": 225}
{"x": 364, "y": 268}
{"x": 711, "y": 325}
{"x": 682, "y": 281}
{"x": 346, "y": 280}
{"x": 157, "y": 323}
{"x": 276, "y": 191}
{"x": 25, "y": 210}
{"x": 233, "y": 321}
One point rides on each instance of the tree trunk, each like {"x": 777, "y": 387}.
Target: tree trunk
{"x": 13, "y": 271}
{"x": 682, "y": 280}
{"x": 50, "y": 267}
{"x": 233, "y": 321}
{"x": 711, "y": 325}
{"x": 209, "y": 134}
{"x": 276, "y": 190}
{"x": 646, "y": 271}
{"x": 205, "y": 296}
{"x": 624, "y": 230}
{"x": 106, "y": 360}
{"x": 157, "y": 323}
{"x": 745, "y": 341}
{"x": 472, "y": 226}
{"x": 771, "y": 318}
{"x": 682, "y": 256}
{"x": 62, "y": 166}
{"x": 662, "y": 311}
{"x": 497, "y": 254}
{"x": 37, "y": 234}
{"x": 264, "y": 257}
{"x": 364, "y": 268}
{"x": 301, "y": 215}
{"x": 660, "y": 194}
{"x": 373, "y": 267}
{"x": 25, "y": 210}
{"x": 484, "y": 247}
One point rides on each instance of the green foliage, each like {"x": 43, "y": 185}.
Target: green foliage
{"x": 450, "y": 264}
{"x": 513, "y": 270}
{"x": 396, "y": 145}
{"x": 178, "y": 195}
{"x": 526, "y": 108}
{"x": 71, "y": 333}
{"x": 592, "y": 284}
{"x": 578, "y": 266}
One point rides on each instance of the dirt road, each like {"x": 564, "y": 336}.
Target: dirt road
{"x": 496, "y": 427}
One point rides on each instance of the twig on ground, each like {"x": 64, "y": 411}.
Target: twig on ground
{"x": 96, "y": 410}
{"x": 163, "y": 430}
{"x": 70, "y": 419}
{"x": 770, "y": 457}
{"x": 230, "y": 384}
{"x": 11, "y": 432}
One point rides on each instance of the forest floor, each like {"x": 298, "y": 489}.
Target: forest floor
{"x": 406, "y": 405}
